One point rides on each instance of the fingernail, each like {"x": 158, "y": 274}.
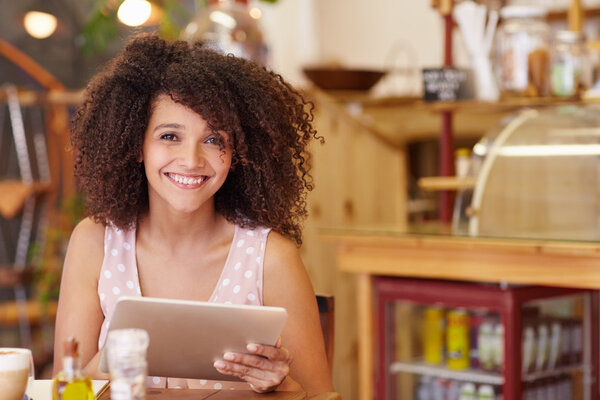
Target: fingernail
{"x": 228, "y": 356}
{"x": 219, "y": 364}
{"x": 252, "y": 347}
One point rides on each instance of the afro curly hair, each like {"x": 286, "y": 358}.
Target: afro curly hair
{"x": 268, "y": 122}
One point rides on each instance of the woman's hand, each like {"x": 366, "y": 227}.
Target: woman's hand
{"x": 264, "y": 369}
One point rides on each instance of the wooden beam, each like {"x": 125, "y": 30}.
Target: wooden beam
{"x": 27, "y": 64}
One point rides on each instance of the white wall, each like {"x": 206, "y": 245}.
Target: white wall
{"x": 355, "y": 33}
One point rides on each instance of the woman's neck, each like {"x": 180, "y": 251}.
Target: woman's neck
{"x": 172, "y": 230}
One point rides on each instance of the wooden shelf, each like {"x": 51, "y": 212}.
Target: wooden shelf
{"x": 435, "y": 183}
{"x": 562, "y": 15}
{"x": 56, "y": 97}
{"x": 9, "y": 312}
{"x": 476, "y": 375}
{"x": 13, "y": 195}
{"x": 400, "y": 120}
{"x": 11, "y": 276}
{"x": 469, "y": 375}
{"x": 566, "y": 369}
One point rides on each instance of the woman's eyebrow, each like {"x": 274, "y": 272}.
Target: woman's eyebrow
{"x": 170, "y": 125}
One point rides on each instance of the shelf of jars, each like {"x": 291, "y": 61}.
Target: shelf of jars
{"x": 440, "y": 336}
{"x": 401, "y": 120}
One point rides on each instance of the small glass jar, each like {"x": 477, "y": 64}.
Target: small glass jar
{"x": 523, "y": 51}
{"x": 571, "y": 71}
{"x": 127, "y": 363}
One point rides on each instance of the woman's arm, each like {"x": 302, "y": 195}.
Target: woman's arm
{"x": 286, "y": 284}
{"x": 300, "y": 352}
{"x": 79, "y": 313}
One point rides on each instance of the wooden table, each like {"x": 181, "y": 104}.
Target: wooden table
{"x": 201, "y": 394}
{"x": 375, "y": 252}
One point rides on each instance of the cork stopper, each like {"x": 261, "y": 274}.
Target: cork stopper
{"x": 71, "y": 347}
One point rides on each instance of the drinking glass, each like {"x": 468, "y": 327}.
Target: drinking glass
{"x": 16, "y": 372}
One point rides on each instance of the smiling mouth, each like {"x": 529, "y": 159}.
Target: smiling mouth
{"x": 186, "y": 180}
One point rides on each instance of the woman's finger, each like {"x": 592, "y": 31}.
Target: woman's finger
{"x": 260, "y": 377}
{"x": 270, "y": 352}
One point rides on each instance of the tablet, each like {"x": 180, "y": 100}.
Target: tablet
{"x": 186, "y": 337}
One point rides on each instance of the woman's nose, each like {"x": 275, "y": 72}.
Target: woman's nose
{"x": 192, "y": 156}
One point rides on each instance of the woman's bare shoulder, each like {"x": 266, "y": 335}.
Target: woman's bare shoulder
{"x": 283, "y": 269}
{"x": 280, "y": 251}
{"x": 88, "y": 233}
{"x": 86, "y": 245}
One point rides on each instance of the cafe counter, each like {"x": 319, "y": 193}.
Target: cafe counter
{"x": 547, "y": 266}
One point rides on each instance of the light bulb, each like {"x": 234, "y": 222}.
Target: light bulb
{"x": 39, "y": 24}
{"x": 134, "y": 12}
{"x": 255, "y": 13}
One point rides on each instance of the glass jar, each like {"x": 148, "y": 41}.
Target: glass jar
{"x": 127, "y": 363}
{"x": 523, "y": 51}
{"x": 570, "y": 72}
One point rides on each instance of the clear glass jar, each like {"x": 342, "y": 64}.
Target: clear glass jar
{"x": 571, "y": 71}
{"x": 127, "y": 363}
{"x": 523, "y": 51}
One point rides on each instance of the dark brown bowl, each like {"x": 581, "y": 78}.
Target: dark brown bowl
{"x": 343, "y": 78}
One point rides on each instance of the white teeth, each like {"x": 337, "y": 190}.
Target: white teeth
{"x": 185, "y": 180}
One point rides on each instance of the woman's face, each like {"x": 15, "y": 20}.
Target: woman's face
{"x": 185, "y": 161}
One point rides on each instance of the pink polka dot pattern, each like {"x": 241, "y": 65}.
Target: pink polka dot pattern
{"x": 240, "y": 283}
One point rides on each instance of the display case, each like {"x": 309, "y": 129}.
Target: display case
{"x": 537, "y": 176}
{"x": 437, "y": 339}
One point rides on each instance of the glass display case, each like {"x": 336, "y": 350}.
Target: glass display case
{"x": 537, "y": 176}
{"x": 453, "y": 341}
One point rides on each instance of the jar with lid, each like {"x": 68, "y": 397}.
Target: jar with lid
{"x": 523, "y": 51}
{"x": 570, "y": 71}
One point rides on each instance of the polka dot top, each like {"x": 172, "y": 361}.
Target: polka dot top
{"x": 240, "y": 283}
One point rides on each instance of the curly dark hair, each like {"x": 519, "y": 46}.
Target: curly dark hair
{"x": 269, "y": 125}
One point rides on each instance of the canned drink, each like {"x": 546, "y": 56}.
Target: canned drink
{"x": 433, "y": 340}
{"x": 555, "y": 350}
{"x": 467, "y": 391}
{"x": 498, "y": 346}
{"x": 486, "y": 392}
{"x": 457, "y": 339}
{"x": 485, "y": 345}
{"x": 477, "y": 318}
{"x": 425, "y": 388}
{"x": 542, "y": 347}
{"x": 441, "y": 389}
{"x": 528, "y": 349}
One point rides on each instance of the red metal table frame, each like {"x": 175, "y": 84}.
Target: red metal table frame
{"x": 506, "y": 302}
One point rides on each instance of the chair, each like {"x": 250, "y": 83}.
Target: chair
{"x": 327, "y": 317}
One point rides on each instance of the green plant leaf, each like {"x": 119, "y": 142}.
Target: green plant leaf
{"x": 100, "y": 30}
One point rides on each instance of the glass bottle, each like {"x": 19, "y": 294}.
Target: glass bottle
{"x": 523, "y": 51}
{"x": 571, "y": 71}
{"x": 71, "y": 383}
{"x": 231, "y": 27}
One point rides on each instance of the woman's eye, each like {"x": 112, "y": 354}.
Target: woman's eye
{"x": 168, "y": 136}
{"x": 212, "y": 140}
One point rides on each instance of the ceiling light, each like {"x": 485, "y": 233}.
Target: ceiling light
{"x": 134, "y": 12}
{"x": 221, "y": 18}
{"x": 255, "y": 13}
{"x": 39, "y": 24}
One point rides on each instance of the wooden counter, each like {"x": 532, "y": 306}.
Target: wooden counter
{"x": 199, "y": 394}
{"x": 537, "y": 262}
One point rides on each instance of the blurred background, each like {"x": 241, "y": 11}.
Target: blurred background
{"x": 360, "y": 62}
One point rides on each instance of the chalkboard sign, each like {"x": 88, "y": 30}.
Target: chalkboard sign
{"x": 446, "y": 84}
